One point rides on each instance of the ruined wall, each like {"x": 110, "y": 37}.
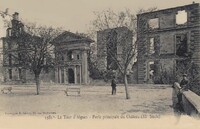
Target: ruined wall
{"x": 166, "y": 31}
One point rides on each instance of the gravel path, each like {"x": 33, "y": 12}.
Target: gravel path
{"x": 148, "y": 99}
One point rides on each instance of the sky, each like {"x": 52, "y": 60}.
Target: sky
{"x": 76, "y": 15}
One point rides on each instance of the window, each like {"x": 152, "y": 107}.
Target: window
{"x": 151, "y": 69}
{"x": 62, "y": 58}
{"x": 20, "y": 73}
{"x": 181, "y": 45}
{"x": 151, "y": 46}
{"x": 10, "y": 59}
{"x": 10, "y": 73}
{"x": 70, "y": 55}
{"x": 78, "y": 57}
{"x": 19, "y": 58}
{"x": 153, "y": 23}
{"x": 9, "y": 32}
{"x": 181, "y": 17}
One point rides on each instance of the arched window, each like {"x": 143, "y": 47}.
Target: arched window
{"x": 70, "y": 55}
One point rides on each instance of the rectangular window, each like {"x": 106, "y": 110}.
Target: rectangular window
{"x": 78, "y": 57}
{"x": 181, "y": 45}
{"x": 181, "y": 17}
{"x": 20, "y": 74}
{"x": 9, "y": 32}
{"x": 153, "y": 23}
{"x": 10, "y": 73}
{"x": 151, "y": 70}
{"x": 152, "y": 46}
{"x": 10, "y": 59}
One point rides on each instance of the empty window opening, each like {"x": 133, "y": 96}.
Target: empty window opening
{"x": 9, "y": 31}
{"x": 10, "y": 73}
{"x": 62, "y": 58}
{"x": 181, "y": 45}
{"x": 153, "y": 23}
{"x": 10, "y": 59}
{"x": 20, "y": 74}
{"x": 78, "y": 57}
{"x": 181, "y": 17}
{"x": 70, "y": 55}
{"x": 151, "y": 70}
{"x": 152, "y": 46}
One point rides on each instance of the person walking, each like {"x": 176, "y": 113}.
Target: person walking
{"x": 114, "y": 85}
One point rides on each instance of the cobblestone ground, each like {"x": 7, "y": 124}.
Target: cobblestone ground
{"x": 152, "y": 99}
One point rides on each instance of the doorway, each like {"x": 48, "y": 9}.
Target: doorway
{"x": 71, "y": 75}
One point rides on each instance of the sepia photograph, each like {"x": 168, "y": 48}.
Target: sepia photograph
{"x": 99, "y": 64}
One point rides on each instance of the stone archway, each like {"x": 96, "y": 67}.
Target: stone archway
{"x": 71, "y": 77}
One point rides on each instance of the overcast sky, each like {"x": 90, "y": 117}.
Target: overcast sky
{"x": 75, "y": 15}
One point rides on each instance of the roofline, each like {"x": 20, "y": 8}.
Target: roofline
{"x": 183, "y": 6}
{"x": 70, "y": 41}
{"x": 82, "y": 38}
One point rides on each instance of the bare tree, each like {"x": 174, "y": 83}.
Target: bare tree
{"x": 109, "y": 19}
{"x": 36, "y": 49}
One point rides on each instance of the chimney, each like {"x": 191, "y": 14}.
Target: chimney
{"x": 16, "y": 16}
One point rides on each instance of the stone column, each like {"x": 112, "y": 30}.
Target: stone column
{"x": 56, "y": 75}
{"x": 60, "y": 75}
{"x": 75, "y": 75}
{"x": 84, "y": 67}
{"x": 80, "y": 74}
{"x": 64, "y": 70}
{"x": 66, "y": 73}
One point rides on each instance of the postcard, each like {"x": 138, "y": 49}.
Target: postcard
{"x": 99, "y": 64}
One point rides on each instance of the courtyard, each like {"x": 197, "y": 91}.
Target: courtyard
{"x": 145, "y": 99}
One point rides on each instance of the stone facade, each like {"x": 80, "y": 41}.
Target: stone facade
{"x": 71, "y": 52}
{"x": 13, "y": 69}
{"x": 116, "y": 39}
{"x": 165, "y": 37}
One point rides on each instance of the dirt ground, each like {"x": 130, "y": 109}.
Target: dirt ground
{"x": 152, "y": 99}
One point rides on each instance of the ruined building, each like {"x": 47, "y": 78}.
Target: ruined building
{"x": 166, "y": 38}
{"x": 71, "y": 52}
{"x": 13, "y": 50}
{"x": 112, "y": 40}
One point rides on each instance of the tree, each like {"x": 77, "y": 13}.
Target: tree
{"x": 109, "y": 19}
{"x": 36, "y": 49}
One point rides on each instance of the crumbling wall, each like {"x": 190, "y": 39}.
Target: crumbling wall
{"x": 166, "y": 28}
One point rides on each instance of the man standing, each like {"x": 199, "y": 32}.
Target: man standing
{"x": 184, "y": 87}
{"x": 113, "y": 85}
{"x": 184, "y": 82}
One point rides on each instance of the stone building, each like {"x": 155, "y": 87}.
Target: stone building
{"x": 165, "y": 38}
{"x": 71, "y": 54}
{"x": 11, "y": 52}
{"x": 114, "y": 40}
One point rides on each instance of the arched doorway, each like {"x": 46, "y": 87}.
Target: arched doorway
{"x": 71, "y": 75}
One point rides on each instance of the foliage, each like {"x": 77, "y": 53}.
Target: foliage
{"x": 109, "y": 19}
{"x": 36, "y": 52}
{"x": 192, "y": 70}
